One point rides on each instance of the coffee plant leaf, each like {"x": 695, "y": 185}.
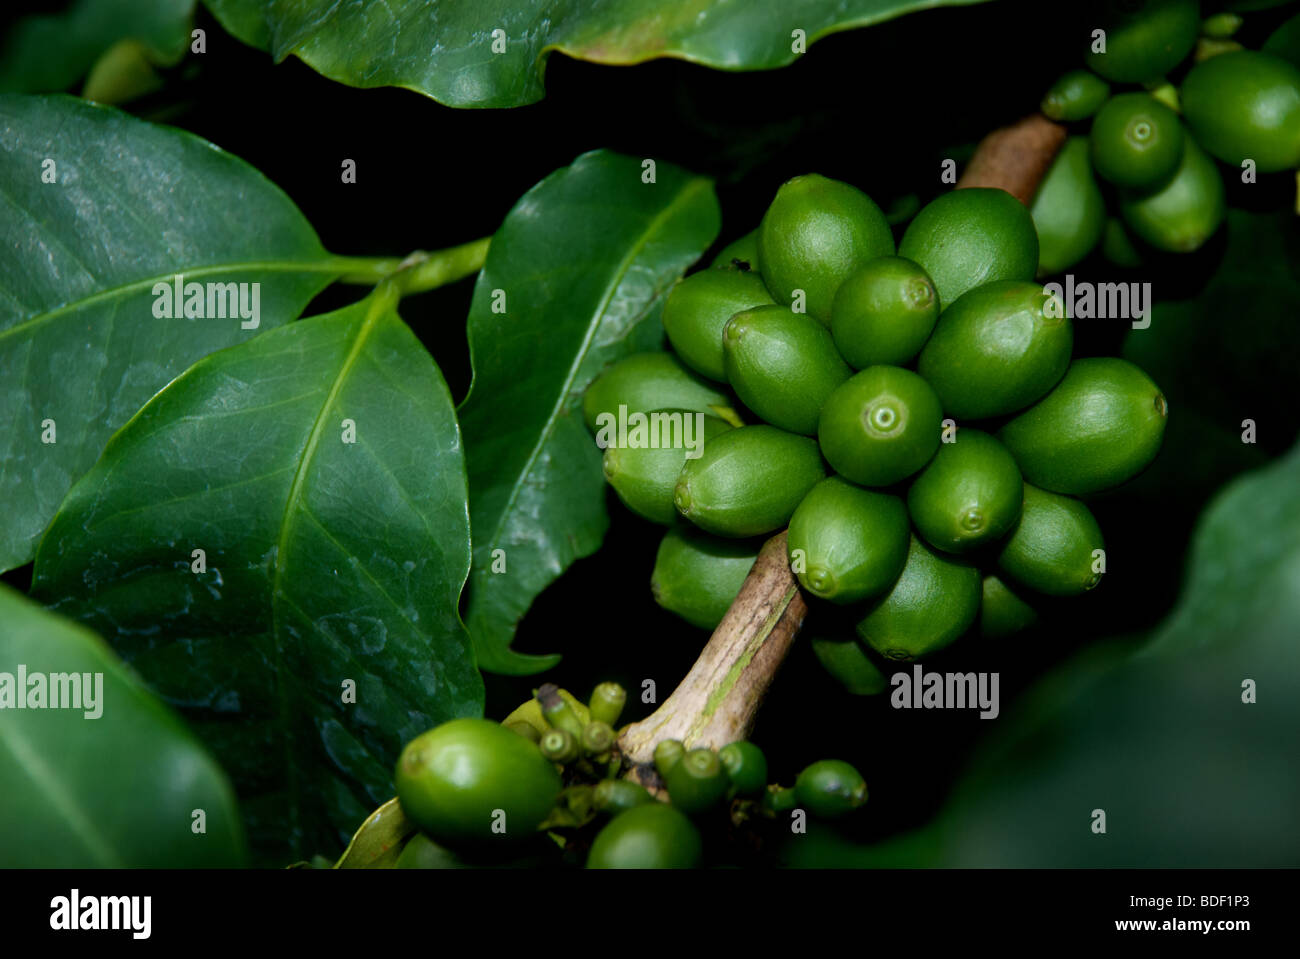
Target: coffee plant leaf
{"x": 277, "y": 542}
{"x": 574, "y": 280}
{"x": 492, "y": 53}
{"x": 97, "y": 772}
{"x": 103, "y": 209}
{"x": 50, "y": 52}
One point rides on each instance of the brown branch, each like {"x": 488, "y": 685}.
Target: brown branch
{"x": 1015, "y": 158}
{"x": 718, "y": 700}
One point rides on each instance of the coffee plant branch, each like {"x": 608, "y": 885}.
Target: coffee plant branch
{"x": 1015, "y": 158}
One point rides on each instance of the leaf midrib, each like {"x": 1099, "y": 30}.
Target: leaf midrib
{"x": 60, "y": 797}
{"x": 329, "y": 264}
{"x": 376, "y": 309}
{"x": 695, "y": 184}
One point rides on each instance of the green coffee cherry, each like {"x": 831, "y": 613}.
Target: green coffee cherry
{"x": 644, "y": 477}
{"x": 830, "y": 788}
{"x": 1144, "y": 39}
{"x": 668, "y": 753}
{"x": 697, "y": 576}
{"x": 1101, "y": 426}
{"x": 748, "y": 481}
{"x": 421, "y": 852}
{"x": 779, "y": 799}
{"x": 782, "y": 365}
{"x": 652, "y": 836}
{"x": 746, "y": 767}
{"x": 1002, "y": 612}
{"x": 1118, "y": 247}
{"x": 697, "y": 782}
{"x": 648, "y": 381}
{"x": 970, "y": 237}
{"x": 1185, "y": 212}
{"x": 847, "y": 544}
{"x": 816, "y": 232}
{"x": 1052, "y": 548}
{"x": 997, "y": 349}
{"x": 740, "y": 254}
{"x": 934, "y": 601}
{"x": 698, "y": 308}
{"x": 884, "y": 312}
{"x": 1077, "y": 95}
{"x": 607, "y": 702}
{"x": 614, "y": 796}
{"x": 1246, "y": 106}
{"x": 457, "y": 780}
{"x": 1069, "y": 211}
{"x": 1137, "y": 141}
{"x": 848, "y": 663}
{"x": 1221, "y": 25}
{"x": 880, "y": 426}
{"x": 597, "y": 738}
{"x": 969, "y": 495}
{"x": 901, "y": 208}
{"x": 559, "y": 746}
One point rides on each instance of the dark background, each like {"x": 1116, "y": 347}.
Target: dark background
{"x": 879, "y": 107}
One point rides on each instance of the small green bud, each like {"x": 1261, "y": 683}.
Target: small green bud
{"x": 559, "y": 746}
{"x": 607, "y": 703}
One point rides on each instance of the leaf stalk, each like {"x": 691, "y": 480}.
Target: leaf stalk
{"x": 420, "y": 271}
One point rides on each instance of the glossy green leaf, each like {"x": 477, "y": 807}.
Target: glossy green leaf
{"x": 132, "y": 204}
{"x": 1187, "y": 773}
{"x": 113, "y": 782}
{"x": 446, "y": 50}
{"x": 319, "y": 468}
{"x": 49, "y": 53}
{"x": 582, "y": 264}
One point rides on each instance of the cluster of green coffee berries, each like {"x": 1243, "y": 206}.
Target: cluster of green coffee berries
{"x": 938, "y": 386}
{"x": 474, "y": 787}
{"x": 1157, "y": 167}
{"x": 644, "y": 833}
